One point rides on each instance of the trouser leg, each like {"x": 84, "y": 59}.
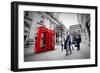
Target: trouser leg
{"x": 62, "y": 47}
{"x": 66, "y": 52}
{"x": 70, "y": 48}
{"x": 78, "y": 46}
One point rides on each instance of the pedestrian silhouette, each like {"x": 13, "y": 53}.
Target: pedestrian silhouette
{"x": 62, "y": 44}
{"x": 78, "y": 41}
{"x": 67, "y": 44}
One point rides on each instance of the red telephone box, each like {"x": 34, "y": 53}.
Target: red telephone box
{"x": 51, "y": 40}
{"x": 45, "y": 40}
{"x": 41, "y": 40}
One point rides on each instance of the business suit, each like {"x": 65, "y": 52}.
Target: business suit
{"x": 67, "y": 44}
{"x": 78, "y": 42}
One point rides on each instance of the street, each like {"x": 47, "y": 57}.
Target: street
{"x": 57, "y": 54}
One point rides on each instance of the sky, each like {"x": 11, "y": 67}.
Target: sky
{"x": 68, "y": 19}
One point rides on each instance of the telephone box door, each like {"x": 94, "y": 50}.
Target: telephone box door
{"x": 51, "y": 40}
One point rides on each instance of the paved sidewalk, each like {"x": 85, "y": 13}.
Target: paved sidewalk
{"x": 57, "y": 54}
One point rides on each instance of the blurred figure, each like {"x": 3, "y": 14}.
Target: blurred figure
{"x": 78, "y": 41}
{"x": 62, "y": 44}
{"x": 67, "y": 44}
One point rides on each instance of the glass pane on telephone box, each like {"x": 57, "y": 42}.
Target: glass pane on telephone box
{"x": 43, "y": 40}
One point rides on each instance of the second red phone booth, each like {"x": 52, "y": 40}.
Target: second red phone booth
{"x": 51, "y": 40}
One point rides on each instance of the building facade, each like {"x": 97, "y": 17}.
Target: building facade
{"x": 84, "y": 20}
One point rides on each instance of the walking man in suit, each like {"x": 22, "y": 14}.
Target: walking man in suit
{"x": 68, "y": 44}
{"x": 78, "y": 42}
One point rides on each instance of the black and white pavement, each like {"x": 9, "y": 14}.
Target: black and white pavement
{"x": 57, "y": 54}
